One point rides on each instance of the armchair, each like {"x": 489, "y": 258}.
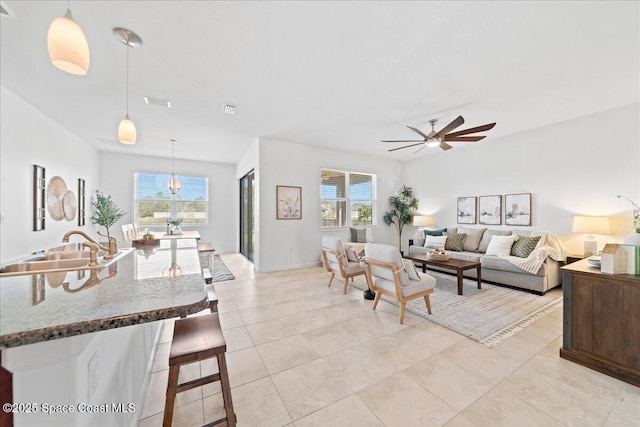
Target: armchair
{"x": 334, "y": 260}
{"x": 386, "y": 274}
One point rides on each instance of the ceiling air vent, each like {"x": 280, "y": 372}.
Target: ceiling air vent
{"x": 157, "y": 101}
{"x": 5, "y": 11}
{"x": 229, "y": 109}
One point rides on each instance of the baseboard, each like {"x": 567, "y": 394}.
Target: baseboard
{"x": 289, "y": 267}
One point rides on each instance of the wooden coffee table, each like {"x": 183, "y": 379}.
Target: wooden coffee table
{"x": 452, "y": 264}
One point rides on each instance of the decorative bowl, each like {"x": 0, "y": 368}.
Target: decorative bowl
{"x": 438, "y": 257}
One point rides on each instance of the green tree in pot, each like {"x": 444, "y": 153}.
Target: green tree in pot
{"x": 403, "y": 204}
{"x": 105, "y": 211}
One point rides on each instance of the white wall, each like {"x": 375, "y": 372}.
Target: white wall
{"x": 572, "y": 168}
{"x": 116, "y": 178}
{"x": 286, "y": 244}
{"x": 28, "y": 137}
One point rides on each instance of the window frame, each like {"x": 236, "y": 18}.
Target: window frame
{"x": 174, "y": 199}
{"x": 348, "y": 200}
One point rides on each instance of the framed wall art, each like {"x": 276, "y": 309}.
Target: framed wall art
{"x": 490, "y": 210}
{"x": 467, "y": 210}
{"x": 288, "y": 202}
{"x": 517, "y": 209}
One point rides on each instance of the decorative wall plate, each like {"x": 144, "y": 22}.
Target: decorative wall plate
{"x": 69, "y": 205}
{"x": 55, "y": 195}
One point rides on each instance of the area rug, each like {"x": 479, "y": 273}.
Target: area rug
{"x": 488, "y": 315}
{"x": 219, "y": 271}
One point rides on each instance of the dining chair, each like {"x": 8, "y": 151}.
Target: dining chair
{"x": 334, "y": 260}
{"x": 127, "y": 232}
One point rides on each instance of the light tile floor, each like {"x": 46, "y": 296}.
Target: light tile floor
{"x": 302, "y": 354}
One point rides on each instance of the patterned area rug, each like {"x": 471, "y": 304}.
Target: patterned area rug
{"x": 487, "y": 315}
{"x": 219, "y": 271}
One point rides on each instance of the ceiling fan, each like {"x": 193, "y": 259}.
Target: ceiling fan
{"x": 440, "y": 138}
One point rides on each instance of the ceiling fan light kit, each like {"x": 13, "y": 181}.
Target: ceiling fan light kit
{"x": 444, "y": 135}
{"x": 67, "y": 45}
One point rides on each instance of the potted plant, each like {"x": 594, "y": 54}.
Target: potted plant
{"x": 403, "y": 204}
{"x": 105, "y": 211}
{"x": 175, "y": 223}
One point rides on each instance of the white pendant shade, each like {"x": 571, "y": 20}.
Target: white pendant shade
{"x": 68, "y": 47}
{"x": 127, "y": 131}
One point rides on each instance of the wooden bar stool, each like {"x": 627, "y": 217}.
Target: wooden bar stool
{"x": 206, "y": 251}
{"x": 195, "y": 339}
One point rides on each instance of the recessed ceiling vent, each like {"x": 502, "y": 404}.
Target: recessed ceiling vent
{"x": 5, "y": 11}
{"x": 106, "y": 141}
{"x": 229, "y": 109}
{"x": 157, "y": 101}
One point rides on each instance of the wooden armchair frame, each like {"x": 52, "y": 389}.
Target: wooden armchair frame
{"x": 398, "y": 287}
{"x": 346, "y": 276}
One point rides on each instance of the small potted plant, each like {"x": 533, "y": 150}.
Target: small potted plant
{"x": 175, "y": 225}
{"x": 106, "y": 212}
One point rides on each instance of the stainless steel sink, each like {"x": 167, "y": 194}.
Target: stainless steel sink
{"x": 59, "y": 261}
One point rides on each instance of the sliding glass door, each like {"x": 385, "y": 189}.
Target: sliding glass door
{"x": 247, "y": 199}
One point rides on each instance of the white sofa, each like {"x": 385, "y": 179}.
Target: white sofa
{"x": 496, "y": 269}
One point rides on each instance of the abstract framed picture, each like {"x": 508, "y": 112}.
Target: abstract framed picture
{"x": 490, "y": 210}
{"x": 467, "y": 210}
{"x": 288, "y": 202}
{"x": 517, "y": 209}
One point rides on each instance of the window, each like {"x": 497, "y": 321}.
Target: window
{"x": 347, "y": 198}
{"x": 153, "y": 202}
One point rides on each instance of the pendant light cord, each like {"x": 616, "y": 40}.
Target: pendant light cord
{"x": 127, "y": 79}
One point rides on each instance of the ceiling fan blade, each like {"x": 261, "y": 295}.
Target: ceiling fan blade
{"x": 406, "y": 146}
{"x": 418, "y": 131}
{"x": 445, "y": 146}
{"x": 420, "y": 149}
{"x": 473, "y": 130}
{"x": 404, "y": 140}
{"x": 463, "y": 138}
{"x": 451, "y": 126}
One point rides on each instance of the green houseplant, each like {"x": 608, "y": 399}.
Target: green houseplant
{"x": 105, "y": 211}
{"x": 403, "y": 204}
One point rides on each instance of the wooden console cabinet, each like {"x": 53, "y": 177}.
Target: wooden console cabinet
{"x": 601, "y": 321}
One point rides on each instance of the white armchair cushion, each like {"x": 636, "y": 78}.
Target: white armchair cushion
{"x": 335, "y": 244}
{"x": 414, "y": 286}
{"x": 389, "y": 254}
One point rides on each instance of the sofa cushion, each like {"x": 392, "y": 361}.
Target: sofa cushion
{"x": 474, "y": 235}
{"x": 466, "y": 256}
{"x": 501, "y": 245}
{"x": 439, "y": 232}
{"x": 524, "y": 246}
{"x": 435, "y": 242}
{"x": 359, "y": 235}
{"x": 413, "y": 287}
{"x": 486, "y": 238}
{"x": 491, "y": 262}
{"x": 455, "y": 242}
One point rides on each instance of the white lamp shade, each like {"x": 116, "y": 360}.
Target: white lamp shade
{"x": 591, "y": 224}
{"x": 68, "y": 47}
{"x": 422, "y": 221}
{"x": 127, "y": 131}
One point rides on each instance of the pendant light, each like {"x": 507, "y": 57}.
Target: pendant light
{"x": 127, "y": 130}
{"x": 174, "y": 182}
{"x": 67, "y": 45}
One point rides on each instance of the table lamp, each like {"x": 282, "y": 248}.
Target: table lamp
{"x": 422, "y": 221}
{"x": 590, "y": 225}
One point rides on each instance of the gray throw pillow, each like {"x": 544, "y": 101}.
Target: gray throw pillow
{"x": 474, "y": 235}
{"x": 359, "y": 235}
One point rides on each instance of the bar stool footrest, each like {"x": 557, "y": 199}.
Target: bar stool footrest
{"x": 188, "y": 385}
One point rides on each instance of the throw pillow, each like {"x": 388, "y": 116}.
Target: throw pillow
{"x": 435, "y": 242}
{"x": 501, "y": 245}
{"x": 434, "y": 232}
{"x": 524, "y": 246}
{"x": 418, "y": 241}
{"x": 486, "y": 238}
{"x": 454, "y": 242}
{"x": 474, "y": 235}
{"x": 410, "y": 268}
{"x": 350, "y": 251}
{"x": 359, "y": 235}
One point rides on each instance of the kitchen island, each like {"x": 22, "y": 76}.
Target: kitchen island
{"x": 62, "y": 333}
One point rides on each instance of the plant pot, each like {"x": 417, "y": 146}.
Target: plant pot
{"x": 369, "y": 294}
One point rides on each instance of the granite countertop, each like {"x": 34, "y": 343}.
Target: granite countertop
{"x": 140, "y": 285}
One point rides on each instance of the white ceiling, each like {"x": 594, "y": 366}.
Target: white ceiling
{"x": 333, "y": 74}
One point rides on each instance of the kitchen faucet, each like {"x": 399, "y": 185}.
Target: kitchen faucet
{"x": 113, "y": 243}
